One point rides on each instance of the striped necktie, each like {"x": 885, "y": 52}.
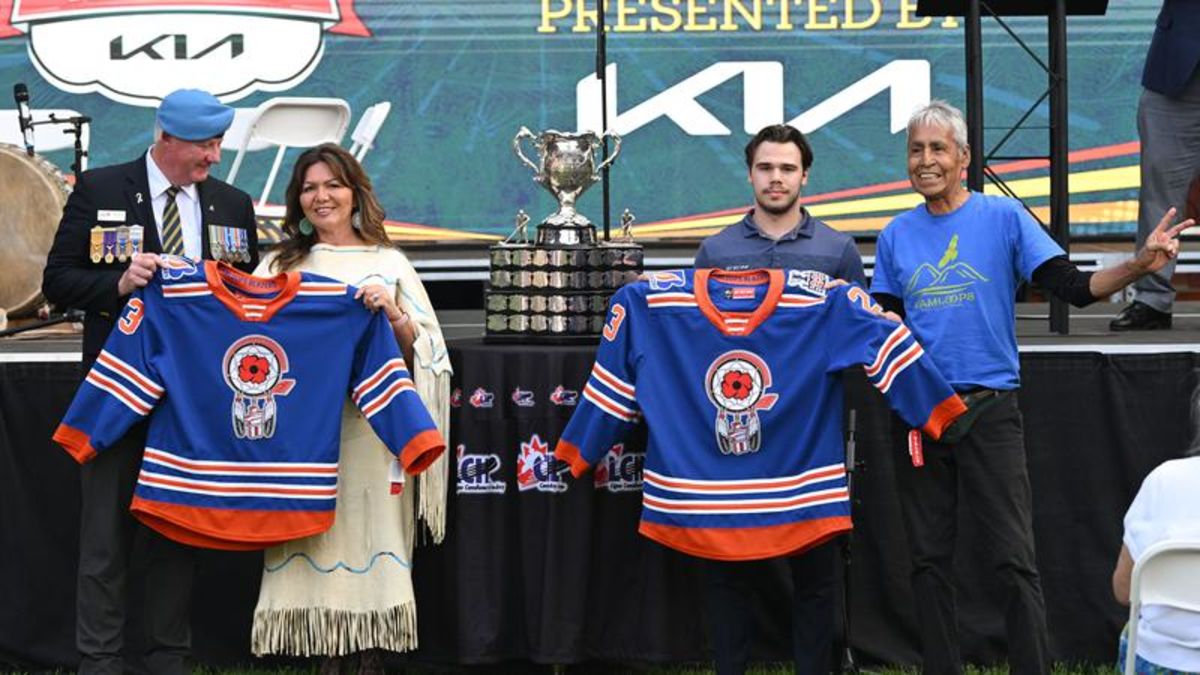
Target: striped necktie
{"x": 172, "y": 231}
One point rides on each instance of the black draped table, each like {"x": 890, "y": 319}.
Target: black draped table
{"x": 543, "y": 567}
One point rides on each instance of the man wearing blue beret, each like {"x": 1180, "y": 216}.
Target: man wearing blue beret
{"x": 115, "y": 224}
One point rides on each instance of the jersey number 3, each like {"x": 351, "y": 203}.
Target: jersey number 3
{"x": 614, "y": 324}
{"x": 133, "y": 317}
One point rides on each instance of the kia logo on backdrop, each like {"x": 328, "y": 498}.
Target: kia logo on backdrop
{"x": 138, "y": 52}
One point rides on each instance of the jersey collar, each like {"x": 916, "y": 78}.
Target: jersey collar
{"x": 243, "y": 294}
{"x": 774, "y": 279}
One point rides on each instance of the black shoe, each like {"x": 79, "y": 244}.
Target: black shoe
{"x": 1140, "y": 316}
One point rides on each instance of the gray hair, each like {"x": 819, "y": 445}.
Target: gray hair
{"x": 158, "y": 132}
{"x": 938, "y": 113}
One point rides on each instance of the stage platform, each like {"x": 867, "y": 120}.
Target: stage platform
{"x": 1089, "y": 333}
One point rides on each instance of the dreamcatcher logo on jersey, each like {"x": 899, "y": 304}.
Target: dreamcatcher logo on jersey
{"x": 477, "y": 472}
{"x": 620, "y": 470}
{"x": 254, "y": 368}
{"x": 538, "y": 468}
{"x": 737, "y": 383}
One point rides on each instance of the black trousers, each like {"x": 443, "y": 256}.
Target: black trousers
{"x": 987, "y": 470}
{"x": 729, "y": 603}
{"x": 111, "y": 544}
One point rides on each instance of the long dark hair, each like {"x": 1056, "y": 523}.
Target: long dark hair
{"x": 296, "y": 245}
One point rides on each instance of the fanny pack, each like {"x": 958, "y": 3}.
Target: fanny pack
{"x": 978, "y": 402}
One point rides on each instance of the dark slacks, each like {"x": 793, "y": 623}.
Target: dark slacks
{"x": 729, "y": 603}
{"x": 987, "y": 470}
{"x": 111, "y": 541}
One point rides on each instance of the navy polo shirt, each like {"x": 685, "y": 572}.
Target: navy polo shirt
{"x": 811, "y": 245}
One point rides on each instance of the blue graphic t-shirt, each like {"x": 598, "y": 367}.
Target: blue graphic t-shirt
{"x": 958, "y": 274}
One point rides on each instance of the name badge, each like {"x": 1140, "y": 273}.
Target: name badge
{"x": 110, "y": 216}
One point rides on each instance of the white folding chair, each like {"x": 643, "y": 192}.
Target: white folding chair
{"x": 295, "y": 122}
{"x": 363, "y": 137}
{"x": 1166, "y": 574}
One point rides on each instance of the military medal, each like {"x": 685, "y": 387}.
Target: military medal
{"x": 244, "y": 238}
{"x": 216, "y": 247}
{"x": 135, "y": 239}
{"x": 110, "y": 244}
{"x": 97, "y": 248}
{"x": 123, "y": 253}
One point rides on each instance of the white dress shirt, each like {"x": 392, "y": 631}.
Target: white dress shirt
{"x": 187, "y": 201}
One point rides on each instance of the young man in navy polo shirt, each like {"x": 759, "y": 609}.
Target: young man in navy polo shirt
{"x": 777, "y": 233}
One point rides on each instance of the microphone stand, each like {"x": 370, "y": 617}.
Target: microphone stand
{"x": 76, "y": 123}
{"x": 847, "y": 664}
{"x": 602, "y": 76}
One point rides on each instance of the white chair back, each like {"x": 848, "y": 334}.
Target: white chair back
{"x": 291, "y": 122}
{"x": 1168, "y": 573}
{"x": 363, "y": 137}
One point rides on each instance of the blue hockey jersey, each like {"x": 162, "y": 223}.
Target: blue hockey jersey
{"x": 243, "y": 380}
{"x": 737, "y": 376}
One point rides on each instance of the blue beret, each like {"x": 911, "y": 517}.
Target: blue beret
{"x": 193, "y": 115}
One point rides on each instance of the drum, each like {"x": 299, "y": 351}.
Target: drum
{"x": 32, "y": 195}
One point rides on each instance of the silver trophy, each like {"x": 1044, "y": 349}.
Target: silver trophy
{"x": 567, "y": 168}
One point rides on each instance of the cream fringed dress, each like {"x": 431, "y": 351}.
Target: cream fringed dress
{"x": 349, "y": 589}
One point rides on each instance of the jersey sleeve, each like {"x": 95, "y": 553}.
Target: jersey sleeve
{"x": 122, "y": 387}
{"x": 609, "y": 408}
{"x": 895, "y": 362}
{"x": 383, "y": 390}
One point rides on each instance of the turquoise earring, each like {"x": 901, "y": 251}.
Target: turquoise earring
{"x": 305, "y": 226}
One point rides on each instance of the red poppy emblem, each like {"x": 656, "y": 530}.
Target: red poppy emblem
{"x": 736, "y": 385}
{"x": 253, "y": 369}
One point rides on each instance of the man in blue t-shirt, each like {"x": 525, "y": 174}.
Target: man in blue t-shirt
{"x": 777, "y": 233}
{"x": 951, "y": 267}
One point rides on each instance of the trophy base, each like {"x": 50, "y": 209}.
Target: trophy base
{"x": 574, "y": 233}
{"x": 555, "y": 294}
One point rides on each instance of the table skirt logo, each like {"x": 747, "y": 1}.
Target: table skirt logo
{"x": 538, "y": 468}
{"x": 137, "y": 52}
{"x": 477, "y": 472}
{"x": 620, "y": 470}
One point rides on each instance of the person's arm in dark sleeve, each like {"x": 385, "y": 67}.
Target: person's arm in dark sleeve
{"x": 70, "y": 279}
{"x": 851, "y": 266}
{"x": 890, "y": 303}
{"x": 702, "y": 260}
{"x": 1064, "y": 280}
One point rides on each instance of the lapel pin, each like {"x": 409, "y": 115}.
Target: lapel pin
{"x": 138, "y": 196}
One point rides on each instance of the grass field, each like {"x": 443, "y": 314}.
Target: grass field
{"x": 598, "y": 669}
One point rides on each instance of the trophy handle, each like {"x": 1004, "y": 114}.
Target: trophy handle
{"x": 615, "y": 151}
{"x": 516, "y": 146}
